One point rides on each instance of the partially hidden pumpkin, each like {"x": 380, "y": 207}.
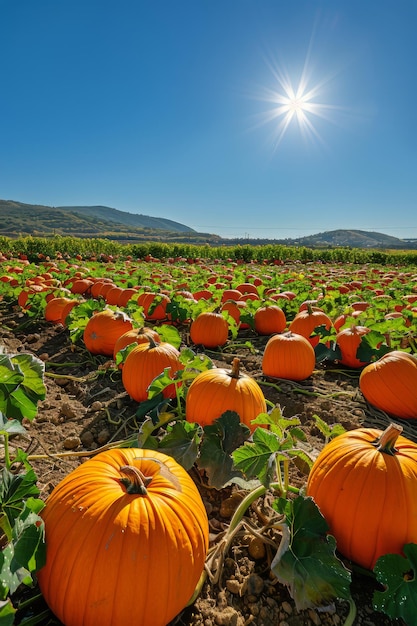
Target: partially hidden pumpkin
{"x": 209, "y": 329}
{"x": 365, "y": 485}
{"x": 103, "y": 330}
{"x": 217, "y": 390}
{"x": 307, "y": 320}
{"x": 144, "y": 363}
{"x": 126, "y": 540}
{"x": 135, "y": 335}
{"x": 349, "y": 339}
{"x": 288, "y": 355}
{"x": 390, "y": 384}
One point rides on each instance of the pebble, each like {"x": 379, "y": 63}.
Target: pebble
{"x": 96, "y": 406}
{"x": 71, "y": 442}
{"x": 87, "y": 438}
{"x": 68, "y": 411}
{"x": 255, "y": 584}
{"x": 103, "y": 436}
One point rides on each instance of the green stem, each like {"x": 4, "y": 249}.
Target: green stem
{"x": 7, "y": 461}
{"x": 350, "y": 620}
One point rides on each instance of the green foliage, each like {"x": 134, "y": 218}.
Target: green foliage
{"x": 306, "y": 561}
{"x": 21, "y": 385}
{"x": 398, "y": 575}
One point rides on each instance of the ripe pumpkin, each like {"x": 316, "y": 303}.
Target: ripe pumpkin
{"x": 349, "y": 340}
{"x": 144, "y": 363}
{"x": 54, "y": 308}
{"x": 103, "y": 329}
{"x": 154, "y": 305}
{"x": 209, "y": 329}
{"x": 365, "y": 484}
{"x": 288, "y": 355}
{"x": 126, "y": 540}
{"x": 135, "y": 335}
{"x": 390, "y": 384}
{"x": 307, "y": 320}
{"x": 217, "y": 390}
{"x": 269, "y": 320}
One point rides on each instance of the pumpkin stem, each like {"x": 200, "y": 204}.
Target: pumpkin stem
{"x": 235, "y": 371}
{"x": 386, "y": 442}
{"x": 152, "y": 342}
{"x": 135, "y": 481}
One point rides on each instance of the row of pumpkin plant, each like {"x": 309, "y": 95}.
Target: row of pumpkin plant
{"x": 148, "y": 359}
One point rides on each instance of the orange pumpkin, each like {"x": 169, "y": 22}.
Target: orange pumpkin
{"x": 54, "y": 308}
{"x": 307, "y": 320}
{"x": 365, "y": 485}
{"x": 390, "y": 384}
{"x": 144, "y": 363}
{"x": 154, "y": 305}
{"x": 209, "y": 329}
{"x": 288, "y": 355}
{"x": 269, "y": 319}
{"x": 126, "y": 540}
{"x": 349, "y": 340}
{"x": 135, "y": 335}
{"x": 103, "y": 330}
{"x": 217, "y": 390}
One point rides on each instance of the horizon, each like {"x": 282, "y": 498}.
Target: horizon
{"x": 248, "y": 120}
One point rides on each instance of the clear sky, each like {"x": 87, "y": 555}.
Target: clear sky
{"x": 244, "y": 118}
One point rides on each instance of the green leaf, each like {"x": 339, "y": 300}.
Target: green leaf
{"x": 11, "y": 427}
{"x": 257, "y": 458}
{"x": 181, "y": 442}
{"x": 305, "y": 561}
{"x": 21, "y": 385}
{"x": 169, "y": 334}
{"x": 14, "y": 490}
{"x": 398, "y": 574}
{"x": 372, "y": 346}
{"x": 7, "y": 613}
{"x": 219, "y": 441}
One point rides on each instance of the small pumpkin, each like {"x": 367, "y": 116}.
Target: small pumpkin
{"x": 390, "y": 384}
{"x": 307, "y": 320}
{"x": 349, "y": 340}
{"x": 154, "y": 305}
{"x": 144, "y": 363}
{"x": 135, "y": 335}
{"x": 288, "y": 355}
{"x": 103, "y": 330}
{"x": 126, "y": 540}
{"x": 217, "y": 390}
{"x": 365, "y": 485}
{"x": 269, "y": 319}
{"x": 54, "y": 308}
{"x": 209, "y": 329}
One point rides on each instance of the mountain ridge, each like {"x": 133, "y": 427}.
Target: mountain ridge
{"x": 18, "y": 219}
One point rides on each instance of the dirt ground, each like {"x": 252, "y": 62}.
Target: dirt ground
{"x": 83, "y": 411}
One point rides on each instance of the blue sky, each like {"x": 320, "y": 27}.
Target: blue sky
{"x": 181, "y": 109}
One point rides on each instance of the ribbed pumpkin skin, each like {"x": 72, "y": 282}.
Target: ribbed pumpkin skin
{"x": 136, "y": 335}
{"x": 215, "y": 391}
{"x": 269, "y": 320}
{"x": 289, "y": 356}
{"x": 115, "y": 558}
{"x": 103, "y": 329}
{"x": 55, "y": 306}
{"x": 209, "y": 330}
{"x": 367, "y": 497}
{"x": 349, "y": 340}
{"x": 307, "y": 320}
{"x": 390, "y": 384}
{"x": 144, "y": 363}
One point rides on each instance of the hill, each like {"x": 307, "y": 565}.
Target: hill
{"x": 19, "y": 220}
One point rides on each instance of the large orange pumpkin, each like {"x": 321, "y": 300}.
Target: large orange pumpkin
{"x": 217, "y": 390}
{"x": 126, "y": 540}
{"x": 144, "y": 363}
{"x": 288, "y": 355}
{"x": 365, "y": 484}
{"x": 209, "y": 329}
{"x": 103, "y": 329}
{"x": 390, "y": 384}
{"x": 269, "y": 319}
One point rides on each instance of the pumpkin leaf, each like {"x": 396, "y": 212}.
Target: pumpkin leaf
{"x": 14, "y": 490}
{"x": 398, "y": 574}
{"x": 169, "y": 334}
{"x": 181, "y": 442}
{"x": 219, "y": 441}
{"x": 372, "y": 346}
{"x": 10, "y": 426}
{"x": 306, "y": 561}
{"x": 257, "y": 458}
{"x": 21, "y": 385}
{"x": 7, "y": 613}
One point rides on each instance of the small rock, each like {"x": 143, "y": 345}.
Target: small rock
{"x": 44, "y": 356}
{"x": 71, "y": 442}
{"x": 96, "y": 406}
{"x": 255, "y": 584}
{"x": 233, "y": 586}
{"x": 286, "y": 606}
{"x": 68, "y": 411}
{"x": 103, "y": 436}
{"x": 87, "y": 438}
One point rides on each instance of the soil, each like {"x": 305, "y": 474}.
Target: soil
{"x": 86, "y": 407}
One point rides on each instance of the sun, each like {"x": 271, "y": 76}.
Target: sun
{"x": 295, "y": 102}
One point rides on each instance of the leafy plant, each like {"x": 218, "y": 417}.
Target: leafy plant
{"x": 398, "y": 575}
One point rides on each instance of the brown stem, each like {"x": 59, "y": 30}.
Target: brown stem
{"x": 235, "y": 371}
{"x": 386, "y": 442}
{"x": 135, "y": 481}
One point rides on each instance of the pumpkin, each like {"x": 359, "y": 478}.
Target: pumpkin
{"x": 135, "y": 335}
{"x": 365, "y": 485}
{"x": 126, "y": 540}
{"x": 103, "y": 329}
{"x": 54, "y": 308}
{"x": 288, "y": 355}
{"x": 390, "y": 384}
{"x": 209, "y": 329}
{"x": 269, "y": 320}
{"x": 217, "y": 390}
{"x": 154, "y": 305}
{"x": 307, "y": 320}
{"x": 144, "y": 363}
{"x": 349, "y": 340}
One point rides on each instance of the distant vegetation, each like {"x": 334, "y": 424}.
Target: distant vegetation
{"x": 19, "y": 220}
